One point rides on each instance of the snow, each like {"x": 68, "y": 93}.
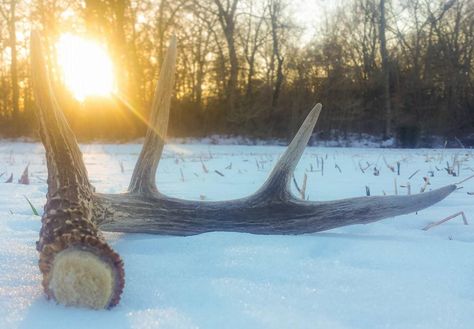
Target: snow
{"x": 389, "y": 274}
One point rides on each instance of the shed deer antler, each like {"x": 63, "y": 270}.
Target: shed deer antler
{"x": 78, "y": 266}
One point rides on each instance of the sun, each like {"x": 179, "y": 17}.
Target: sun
{"x": 85, "y": 66}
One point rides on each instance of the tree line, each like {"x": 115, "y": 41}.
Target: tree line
{"x": 391, "y": 68}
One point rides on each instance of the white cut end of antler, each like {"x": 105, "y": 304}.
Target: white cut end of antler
{"x": 80, "y": 278}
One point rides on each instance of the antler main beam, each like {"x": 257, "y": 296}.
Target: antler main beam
{"x": 170, "y": 216}
{"x": 75, "y": 260}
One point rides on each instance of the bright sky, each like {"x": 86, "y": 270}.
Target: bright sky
{"x": 311, "y": 13}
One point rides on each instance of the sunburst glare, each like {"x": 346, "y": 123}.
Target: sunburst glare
{"x": 86, "y": 67}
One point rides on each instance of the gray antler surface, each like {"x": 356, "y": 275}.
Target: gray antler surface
{"x": 74, "y": 212}
{"x": 163, "y": 215}
{"x": 143, "y": 177}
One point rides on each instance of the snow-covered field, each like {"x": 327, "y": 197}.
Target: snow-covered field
{"x": 389, "y": 274}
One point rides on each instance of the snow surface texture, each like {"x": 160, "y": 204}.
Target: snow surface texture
{"x": 389, "y": 274}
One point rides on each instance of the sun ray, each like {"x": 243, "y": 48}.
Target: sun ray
{"x": 87, "y": 71}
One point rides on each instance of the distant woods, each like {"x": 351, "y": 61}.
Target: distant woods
{"x": 401, "y": 69}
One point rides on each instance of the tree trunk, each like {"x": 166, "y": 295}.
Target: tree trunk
{"x": 234, "y": 72}
{"x": 227, "y": 21}
{"x": 385, "y": 73}
{"x": 278, "y": 83}
{"x": 14, "y": 64}
{"x": 275, "y": 12}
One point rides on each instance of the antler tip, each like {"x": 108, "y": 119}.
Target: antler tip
{"x": 312, "y": 118}
{"x": 315, "y": 111}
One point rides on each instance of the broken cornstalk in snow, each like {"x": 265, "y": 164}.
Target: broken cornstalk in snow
{"x": 10, "y": 179}
{"x": 301, "y": 190}
{"x": 204, "y": 168}
{"x": 24, "y": 179}
{"x": 392, "y": 168}
{"x": 444, "y": 220}
{"x": 79, "y": 267}
{"x": 219, "y": 173}
{"x": 425, "y": 184}
{"x": 408, "y": 187}
{"x": 412, "y": 175}
{"x": 465, "y": 179}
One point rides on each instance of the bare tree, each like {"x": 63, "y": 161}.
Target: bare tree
{"x": 385, "y": 72}
{"x": 227, "y": 19}
{"x": 8, "y": 10}
{"x": 252, "y": 38}
{"x": 275, "y": 12}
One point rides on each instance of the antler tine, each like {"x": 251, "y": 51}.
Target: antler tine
{"x": 62, "y": 150}
{"x": 278, "y": 183}
{"x": 143, "y": 177}
{"x": 75, "y": 260}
